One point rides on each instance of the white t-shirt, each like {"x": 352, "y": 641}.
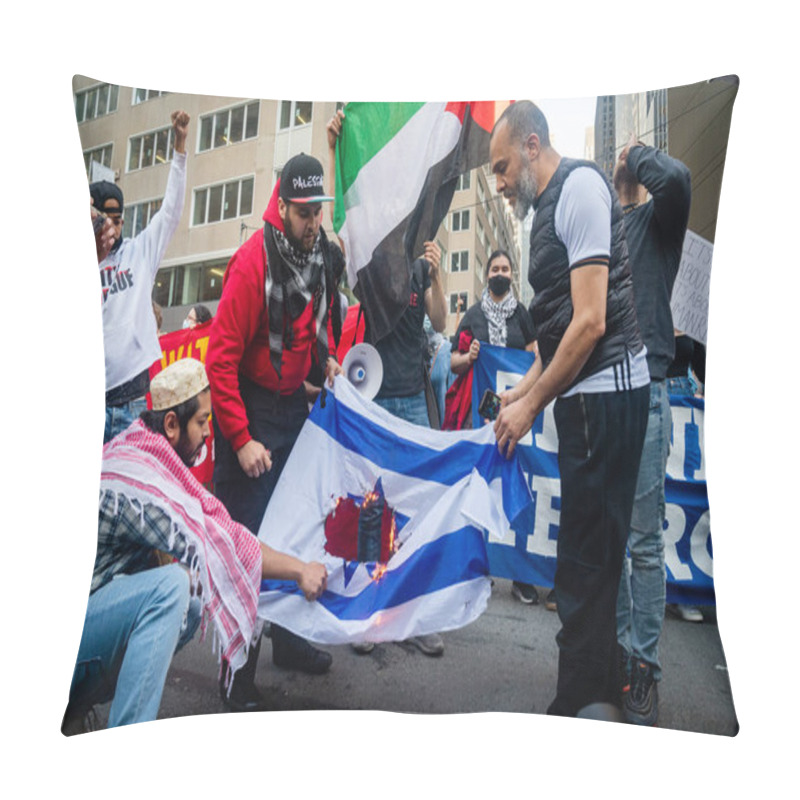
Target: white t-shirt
{"x": 130, "y": 335}
{"x": 583, "y": 223}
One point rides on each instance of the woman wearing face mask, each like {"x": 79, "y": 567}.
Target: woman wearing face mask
{"x": 497, "y": 318}
{"x": 197, "y": 316}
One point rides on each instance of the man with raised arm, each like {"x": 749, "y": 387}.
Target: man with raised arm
{"x": 655, "y": 229}
{"x": 127, "y": 275}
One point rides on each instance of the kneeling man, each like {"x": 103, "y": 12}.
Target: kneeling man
{"x": 151, "y": 506}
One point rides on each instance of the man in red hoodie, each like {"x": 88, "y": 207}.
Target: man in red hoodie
{"x": 279, "y": 313}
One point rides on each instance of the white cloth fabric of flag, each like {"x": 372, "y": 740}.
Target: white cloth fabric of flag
{"x": 449, "y": 489}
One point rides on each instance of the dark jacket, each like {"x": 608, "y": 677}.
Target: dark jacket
{"x": 549, "y": 275}
{"x": 655, "y": 233}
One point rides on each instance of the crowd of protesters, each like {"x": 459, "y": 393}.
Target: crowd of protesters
{"x": 173, "y": 556}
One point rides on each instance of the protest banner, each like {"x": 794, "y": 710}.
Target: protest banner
{"x": 690, "y": 293}
{"x": 531, "y": 557}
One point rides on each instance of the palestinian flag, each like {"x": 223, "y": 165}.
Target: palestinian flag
{"x": 396, "y": 170}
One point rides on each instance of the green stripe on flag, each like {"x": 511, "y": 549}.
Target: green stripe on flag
{"x": 367, "y": 129}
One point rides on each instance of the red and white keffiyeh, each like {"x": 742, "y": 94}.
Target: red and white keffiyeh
{"x": 142, "y": 466}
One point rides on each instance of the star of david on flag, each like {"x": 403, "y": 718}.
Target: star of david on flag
{"x": 398, "y": 514}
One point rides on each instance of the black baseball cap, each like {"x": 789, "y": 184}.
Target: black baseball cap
{"x": 301, "y": 180}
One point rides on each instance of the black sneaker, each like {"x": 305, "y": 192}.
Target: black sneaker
{"x": 290, "y": 651}
{"x": 550, "y": 601}
{"x": 641, "y": 702}
{"x": 525, "y": 593}
{"x": 243, "y": 697}
{"x": 624, "y": 663}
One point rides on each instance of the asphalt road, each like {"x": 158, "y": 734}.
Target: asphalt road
{"x": 505, "y": 661}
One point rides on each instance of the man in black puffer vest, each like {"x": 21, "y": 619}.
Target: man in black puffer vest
{"x": 593, "y": 363}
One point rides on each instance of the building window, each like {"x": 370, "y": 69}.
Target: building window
{"x": 459, "y": 261}
{"x": 294, "y": 113}
{"x": 463, "y": 181}
{"x": 96, "y": 102}
{"x": 223, "y": 201}
{"x": 189, "y": 284}
{"x": 456, "y": 298}
{"x": 482, "y": 235}
{"x": 460, "y": 220}
{"x": 149, "y": 149}
{"x": 142, "y": 95}
{"x": 138, "y": 217}
{"x": 102, "y": 155}
{"x": 443, "y": 251}
{"x": 229, "y": 126}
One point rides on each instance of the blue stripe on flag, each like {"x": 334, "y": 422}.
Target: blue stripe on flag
{"x": 454, "y": 558}
{"x": 389, "y": 451}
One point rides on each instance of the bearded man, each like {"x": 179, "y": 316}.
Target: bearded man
{"x": 279, "y": 313}
{"x": 153, "y": 510}
{"x": 592, "y": 359}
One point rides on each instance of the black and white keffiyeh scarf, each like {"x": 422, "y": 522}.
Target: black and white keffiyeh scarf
{"x": 497, "y": 315}
{"x": 294, "y": 278}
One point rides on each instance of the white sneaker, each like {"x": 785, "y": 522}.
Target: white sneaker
{"x": 690, "y": 613}
{"x": 431, "y": 644}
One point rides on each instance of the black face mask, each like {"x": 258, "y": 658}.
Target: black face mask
{"x": 499, "y": 285}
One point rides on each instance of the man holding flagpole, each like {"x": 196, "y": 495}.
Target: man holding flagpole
{"x": 402, "y": 351}
{"x": 593, "y": 363}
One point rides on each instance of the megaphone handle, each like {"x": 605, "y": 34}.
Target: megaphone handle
{"x": 358, "y": 321}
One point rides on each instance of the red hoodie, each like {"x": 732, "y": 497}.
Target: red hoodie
{"x": 239, "y": 338}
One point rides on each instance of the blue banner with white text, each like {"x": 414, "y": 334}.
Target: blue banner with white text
{"x": 532, "y": 557}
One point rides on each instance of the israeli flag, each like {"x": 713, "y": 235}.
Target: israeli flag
{"x": 444, "y": 493}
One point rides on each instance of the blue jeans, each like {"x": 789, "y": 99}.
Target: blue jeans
{"x": 681, "y": 385}
{"x": 132, "y": 628}
{"x": 441, "y": 375}
{"x": 643, "y": 586}
{"x": 120, "y": 417}
{"x": 412, "y": 409}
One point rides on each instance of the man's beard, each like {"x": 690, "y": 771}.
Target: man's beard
{"x": 300, "y": 244}
{"x": 296, "y": 243}
{"x": 527, "y": 191}
{"x": 184, "y": 451}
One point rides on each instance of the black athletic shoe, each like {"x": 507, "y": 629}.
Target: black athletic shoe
{"x": 244, "y": 697}
{"x": 290, "y": 651}
{"x": 624, "y": 662}
{"x": 525, "y": 593}
{"x": 640, "y": 706}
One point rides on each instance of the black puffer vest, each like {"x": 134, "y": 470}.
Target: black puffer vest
{"x": 548, "y": 274}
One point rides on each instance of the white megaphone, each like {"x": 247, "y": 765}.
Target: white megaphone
{"x": 362, "y": 366}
